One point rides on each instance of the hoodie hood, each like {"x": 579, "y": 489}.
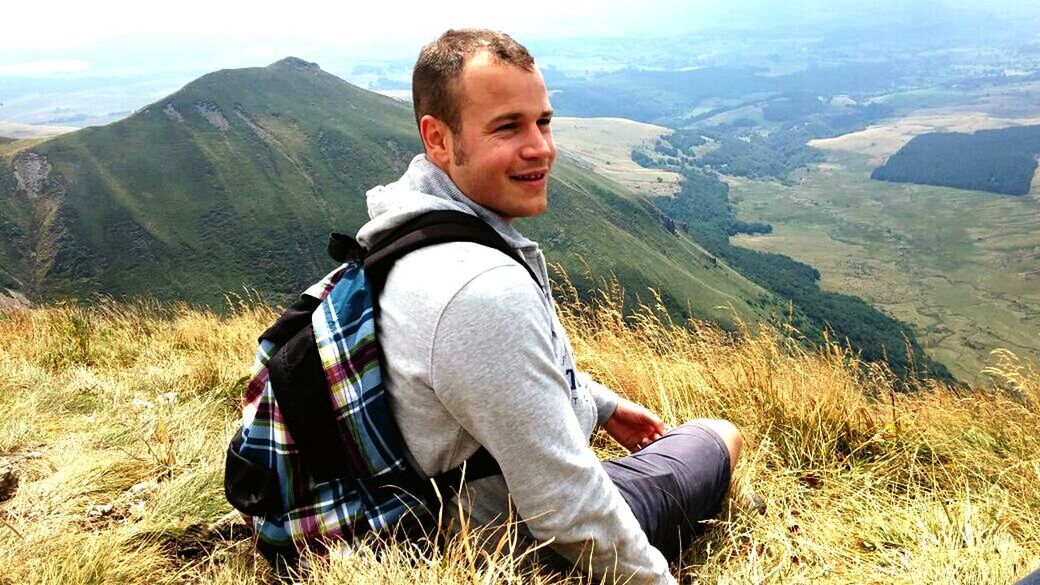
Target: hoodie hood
{"x": 423, "y": 188}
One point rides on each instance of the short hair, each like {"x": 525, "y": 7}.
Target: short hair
{"x": 437, "y": 71}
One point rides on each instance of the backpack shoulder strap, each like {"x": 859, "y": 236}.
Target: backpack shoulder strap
{"x": 429, "y": 229}
{"x": 439, "y": 227}
{"x": 291, "y": 321}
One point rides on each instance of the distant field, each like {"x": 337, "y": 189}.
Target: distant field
{"x": 962, "y": 266}
{"x": 11, "y": 145}
{"x": 605, "y": 146}
{"x": 16, "y": 130}
{"x": 879, "y": 141}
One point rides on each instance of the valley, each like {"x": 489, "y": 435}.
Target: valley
{"x": 700, "y": 142}
{"x": 962, "y": 266}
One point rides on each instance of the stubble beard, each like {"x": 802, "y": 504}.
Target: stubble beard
{"x": 457, "y": 152}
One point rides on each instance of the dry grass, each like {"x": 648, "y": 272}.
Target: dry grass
{"x": 117, "y": 415}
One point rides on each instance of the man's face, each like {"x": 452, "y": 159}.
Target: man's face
{"x": 503, "y": 153}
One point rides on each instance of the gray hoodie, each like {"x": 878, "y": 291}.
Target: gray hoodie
{"x": 475, "y": 355}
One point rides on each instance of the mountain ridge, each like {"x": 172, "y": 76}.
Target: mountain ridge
{"x": 237, "y": 178}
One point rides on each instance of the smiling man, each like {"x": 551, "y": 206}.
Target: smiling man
{"x": 494, "y": 139}
{"x": 476, "y": 357}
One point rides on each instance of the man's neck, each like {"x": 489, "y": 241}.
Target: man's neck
{"x": 508, "y": 220}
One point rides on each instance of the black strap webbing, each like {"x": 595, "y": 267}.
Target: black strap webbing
{"x": 435, "y": 227}
{"x": 294, "y": 319}
{"x": 343, "y": 248}
{"x": 480, "y": 465}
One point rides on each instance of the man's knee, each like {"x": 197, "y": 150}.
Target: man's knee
{"x": 730, "y": 435}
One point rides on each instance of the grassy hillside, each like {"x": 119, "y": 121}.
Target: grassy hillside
{"x": 597, "y": 230}
{"x": 116, "y": 417}
{"x": 237, "y": 179}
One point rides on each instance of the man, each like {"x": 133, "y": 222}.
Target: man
{"x": 475, "y": 355}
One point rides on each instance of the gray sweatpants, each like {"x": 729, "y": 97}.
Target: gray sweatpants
{"x": 673, "y": 484}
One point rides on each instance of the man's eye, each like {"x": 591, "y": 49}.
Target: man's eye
{"x": 544, "y": 121}
{"x": 506, "y": 127}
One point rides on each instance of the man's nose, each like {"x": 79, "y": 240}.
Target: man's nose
{"x": 539, "y": 143}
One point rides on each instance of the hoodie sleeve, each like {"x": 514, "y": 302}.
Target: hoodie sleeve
{"x": 606, "y": 399}
{"x": 492, "y": 366}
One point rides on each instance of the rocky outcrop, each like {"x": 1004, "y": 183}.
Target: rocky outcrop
{"x": 261, "y": 132}
{"x": 297, "y": 63}
{"x": 12, "y": 299}
{"x": 45, "y": 228}
{"x": 32, "y": 173}
{"x": 211, "y": 112}
{"x": 172, "y": 113}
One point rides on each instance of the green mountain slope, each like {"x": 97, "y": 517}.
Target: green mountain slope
{"x": 236, "y": 180}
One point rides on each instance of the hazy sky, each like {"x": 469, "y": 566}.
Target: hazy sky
{"x": 73, "y": 36}
{"x": 76, "y": 23}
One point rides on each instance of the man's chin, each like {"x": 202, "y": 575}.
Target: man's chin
{"x": 534, "y": 211}
{"x": 524, "y": 211}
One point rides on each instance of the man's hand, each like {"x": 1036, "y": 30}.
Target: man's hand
{"x": 634, "y": 426}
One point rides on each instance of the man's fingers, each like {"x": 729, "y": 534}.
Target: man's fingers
{"x": 657, "y": 423}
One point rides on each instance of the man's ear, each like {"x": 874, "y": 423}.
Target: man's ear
{"x": 437, "y": 140}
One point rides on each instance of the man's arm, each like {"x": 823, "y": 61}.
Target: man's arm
{"x": 493, "y": 367}
{"x": 629, "y": 423}
{"x": 606, "y": 399}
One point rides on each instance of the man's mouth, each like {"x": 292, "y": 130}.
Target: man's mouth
{"x": 529, "y": 177}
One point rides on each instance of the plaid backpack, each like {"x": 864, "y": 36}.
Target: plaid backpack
{"x": 319, "y": 460}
